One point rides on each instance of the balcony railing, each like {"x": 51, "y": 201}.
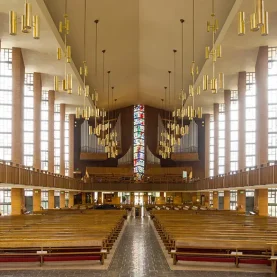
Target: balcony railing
{"x": 11, "y": 173}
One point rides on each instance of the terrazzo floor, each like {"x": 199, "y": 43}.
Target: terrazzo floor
{"x": 138, "y": 255}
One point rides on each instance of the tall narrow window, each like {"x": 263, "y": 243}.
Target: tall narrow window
{"x": 6, "y": 104}
{"x": 44, "y": 130}
{"x": 234, "y": 127}
{"x": 44, "y": 199}
{"x": 57, "y": 141}
{"x": 233, "y": 200}
{"x": 250, "y": 120}
{"x": 5, "y": 201}
{"x": 272, "y": 202}
{"x": 139, "y": 146}
{"x": 211, "y": 145}
{"x": 221, "y": 139}
{"x": 29, "y": 119}
{"x": 66, "y": 144}
{"x": 272, "y": 104}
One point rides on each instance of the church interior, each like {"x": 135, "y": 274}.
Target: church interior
{"x": 139, "y": 138}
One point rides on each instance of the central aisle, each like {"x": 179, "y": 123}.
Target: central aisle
{"x": 138, "y": 255}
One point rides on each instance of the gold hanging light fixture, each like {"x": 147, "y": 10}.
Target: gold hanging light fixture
{"x": 28, "y": 22}
{"x": 64, "y": 28}
{"x": 181, "y": 113}
{"x": 214, "y": 84}
{"x": 258, "y": 20}
{"x": 191, "y": 111}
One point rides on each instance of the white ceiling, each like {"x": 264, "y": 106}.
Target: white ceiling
{"x": 139, "y": 37}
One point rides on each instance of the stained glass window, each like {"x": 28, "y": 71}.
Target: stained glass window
{"x": 139, "y": 147}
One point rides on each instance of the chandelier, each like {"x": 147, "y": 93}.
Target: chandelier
{"x": 65, "y": 54}
{"x": 214, "y": 84}
{"x": 258, "y": 20}
{"x": 191, "y": 112}
{"x": 165, "y": 148}
{"x": 27, "y": 22}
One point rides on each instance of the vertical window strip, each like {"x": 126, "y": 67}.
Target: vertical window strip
{"x": 29, "y": 119}
{"x": 66, "y": 144}
{"x": 6, "y": 104}
{"x": 211, "y": 160}
{"x": 272, "y": 202}
{"x": 234, "y": 125}
{"x": 233, "y": 200}
{"x": 139, "y": 144}
{"x": 221, "y": 139}
{"x": 250, "y": 120}
{"x": 57, "y": 133}
{"x": 272, "y": 104}
{"x": 44, "y": 130}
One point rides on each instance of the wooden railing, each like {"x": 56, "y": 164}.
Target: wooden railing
{"x": 257, "y": 176}
{"x": 11, "y": 173}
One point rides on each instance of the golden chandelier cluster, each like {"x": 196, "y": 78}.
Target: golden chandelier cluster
{"x": 65, "y": 54}
{"x": 258, "y": 20}
{"x": 28, "y": 22}
{"x": 213, "y": 83}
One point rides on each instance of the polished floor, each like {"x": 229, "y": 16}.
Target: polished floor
{"x": 138, "y": 255}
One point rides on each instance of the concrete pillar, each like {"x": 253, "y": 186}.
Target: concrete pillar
{"x": 71, "y": 199}
{"x": 36, "y": 200}
{"x": 241, "y": 200}
{"x": 17, "y": 203}
{"x": 216, "y": 131}
{"x": 37, "y": 120}
{"x": 227, "y": 102}
{"x": 51, "y": 199}
{"x": 18, "y": 76}
{"x": 62, "y": 120}
{"x": 84, "y": 200}
{"x": 145, "y": 197}
{"x": 215, "y": 199}
{"x": 92, "y": 197}
{"x": 263, "y": 202}
{"x": 132, "y": 198}
{"x": 241, "y": 99}
{"x": 71, "y": 144}
{"x": 207, "y": 145}
{"x": 100, "y": 197}
{"x": 262, "y": 106}
{"x": 62, "y": 199}
{"x": 51, "y": 103}
{"x": 226, "y": 200}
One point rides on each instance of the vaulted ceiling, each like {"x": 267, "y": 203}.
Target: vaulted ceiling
{"x": 139, "y": 37}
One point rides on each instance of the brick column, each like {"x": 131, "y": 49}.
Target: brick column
{"x": 215, "y": 199}
{"x": 62, "y": 120}
{"x": 18, "y": 75}
{"x": 227, "y": 102}
{"x": 51, "y": 199}
{"x": 51, "y": 102}
{"x": 226, "y": 200}
{"x": 17, "y": 203}
{"x": 207, "y": 145}
{"x": 241, "y": 200}
{"x": 216, "y": 115}
{"x": 262, "y": 106}
{"x": 263, "y": 202}
{"x": 241, "y": 98}
{"x": 62, "y": 199}
{"x": 71, "y": 144}
{"x": 36, "y": 200}
{"x": 37, "y": 120}
{"x": 71, "y": 199}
